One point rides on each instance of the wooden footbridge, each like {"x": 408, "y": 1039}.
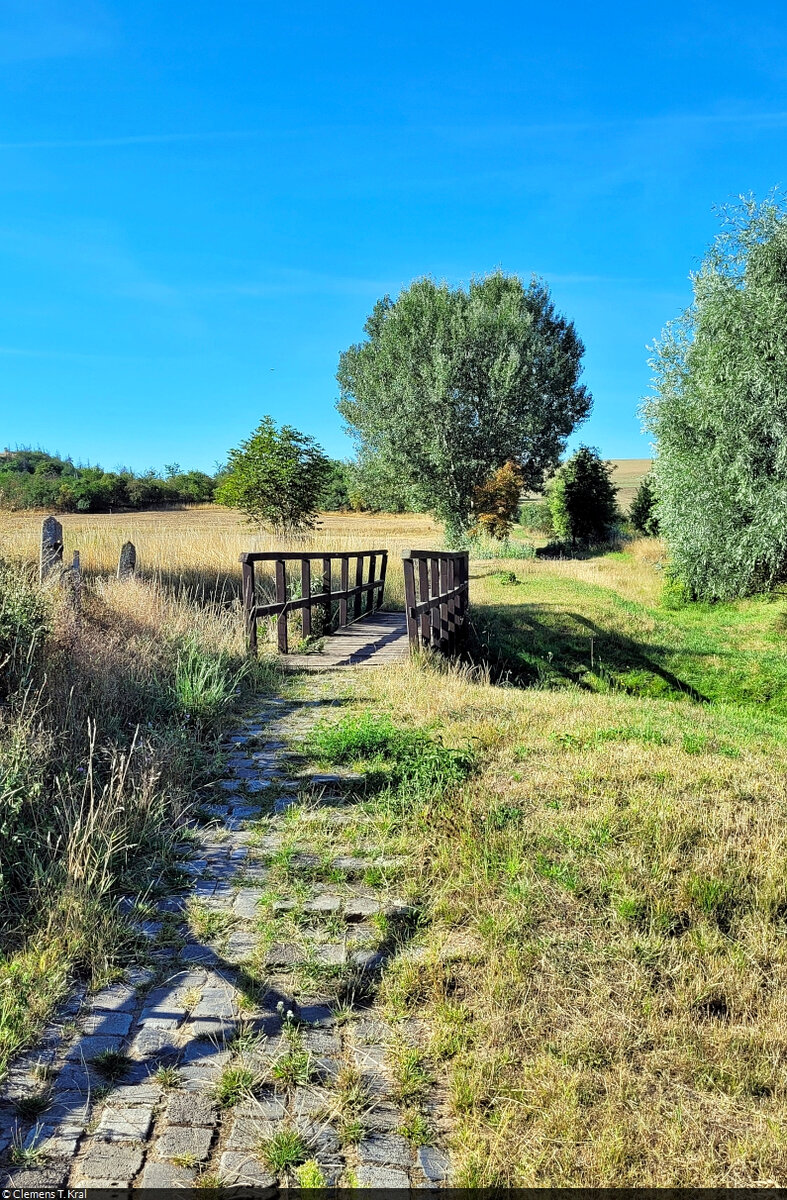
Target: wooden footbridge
{"x": 342, "y": 624}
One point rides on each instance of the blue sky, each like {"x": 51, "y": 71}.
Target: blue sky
{"x": 200, "y": 202}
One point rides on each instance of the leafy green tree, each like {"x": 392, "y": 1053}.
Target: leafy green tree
{"x": 719, "y": 412}
{"x": 583, "y": 498}
{"x": 451, "y": 384}
{"x": 376, "y": 486}
{"x": 642, "y": 513}
{"x": 335, "y": 495}
{"x": 276, "y": 477}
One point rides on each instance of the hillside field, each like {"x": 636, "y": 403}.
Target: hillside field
{"x": 599, "y": 969}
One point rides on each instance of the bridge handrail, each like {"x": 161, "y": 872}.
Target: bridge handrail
{"x": 436, "y": 598}
{"x": 372, "y": 590}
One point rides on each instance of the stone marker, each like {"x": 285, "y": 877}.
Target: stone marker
{"x": 71, "y": 582}
{"x": 127, "y": 562}
{"x": 51, "y": 547}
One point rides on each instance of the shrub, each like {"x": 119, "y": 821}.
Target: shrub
{"x": 583, "y": 499}
{"x": 496, "y": 502}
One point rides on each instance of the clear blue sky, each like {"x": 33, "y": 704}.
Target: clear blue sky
{"x": 200, "y": 202}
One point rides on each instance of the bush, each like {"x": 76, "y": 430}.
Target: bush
{"x": 496, "y": 502}
{"x": 536, "y": 517}
{"x": 23, "y": 626}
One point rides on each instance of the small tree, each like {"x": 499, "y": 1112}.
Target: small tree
{"x": 642, "y": 513}
{"x": 583, "y": 498}
{"x": 496, "y": 502}
{"x": 276, "y": 477}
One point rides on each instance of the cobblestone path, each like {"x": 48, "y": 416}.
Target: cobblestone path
{"x": 249, "y": 1043}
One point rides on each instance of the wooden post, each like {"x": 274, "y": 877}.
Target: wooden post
{"x": 51, "y": 548}
{"x": 358, "y": 599}
{"x": 326, "y": 588}
{"x": 249, "y": 606}
{"x": 306, "y": 592}
{"x": 71, "y": 582}
{"x": 345, "y": 583}
{"x": 371, "y": 579}
{"x": 127, "y": 563}
{"x": 423, "y": 587}
{"x": 465, "y": 628}
{"x": 444, "y": 639}
{"x": 434, "y": 613}
{"x": 281, "y": 598}
{"x": 410, "y": 601}
{"x": 383, "y": 570}
{"x": 451, "y": 606}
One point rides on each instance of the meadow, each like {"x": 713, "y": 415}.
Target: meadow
{"x": 599, "y": 969}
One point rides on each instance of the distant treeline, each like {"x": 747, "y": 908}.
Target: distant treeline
{"x": 35, "y": 479}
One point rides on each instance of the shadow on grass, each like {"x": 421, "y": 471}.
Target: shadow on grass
{"x": 531, "y": 645}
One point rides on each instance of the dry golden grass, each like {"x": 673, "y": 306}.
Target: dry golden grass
{"x": 197, "y": 549}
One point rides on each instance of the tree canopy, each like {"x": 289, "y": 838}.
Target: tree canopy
{"x": 719, "y": 412}
{"x": 450, "y": 384}
{"x": 277, "y": 477}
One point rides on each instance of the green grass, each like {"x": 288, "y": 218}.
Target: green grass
{"x": 408, "y": 766}
{"x": 235, "y": 1083}
{"x": 555, "y": 630}
{"x": 284, "y": 1150}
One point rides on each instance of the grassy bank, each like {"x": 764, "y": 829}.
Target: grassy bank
{"x": 108, "y": 730}
{"x": 603, "y": 966}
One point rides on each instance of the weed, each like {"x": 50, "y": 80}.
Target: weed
{"x": 186, "y": 1160}
{"x": 235, "y": 1083}
{"x": 283, "y": 1150}
{"x": 205, "y": 922}
{"x": 310, "y": 1175}
{"x": 30, "y": 1107}
{"x": 410, "y": 1075}
{"x": 112, "y": 1064}
{"x": 416, "y": 1128}
{"x": 293, "y": 1068}
{"x": 351, "y": 1131}
{"x": 168, "y": 1077}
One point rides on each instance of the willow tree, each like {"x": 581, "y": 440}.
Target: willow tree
{"x": 719, "y": 413}
{"x": 450, "y": 384}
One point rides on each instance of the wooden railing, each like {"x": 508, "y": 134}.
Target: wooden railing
{"x": 364, "y": 597}
{"x": 436, "y": 594}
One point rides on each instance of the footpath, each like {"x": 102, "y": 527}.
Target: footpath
{"x": 249, "y": 1048}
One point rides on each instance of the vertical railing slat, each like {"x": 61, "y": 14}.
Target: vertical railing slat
{"x": 410, "y": 600}
{"x": 371, "y": 579}
{"x": 326, "y": 590}
{"x": 306, "y": 592}
{"x": 423, "y": 587}
{"x": 281, "y": 598}
{"x": 249, "y": 603}
{"x": 344, "y": 585}
{"x": 358, "y": 598}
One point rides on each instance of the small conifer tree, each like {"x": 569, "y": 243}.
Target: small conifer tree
{"x": 583, "y": 498}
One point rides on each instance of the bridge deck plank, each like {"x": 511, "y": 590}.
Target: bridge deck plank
{"x": 370, "y": 642}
